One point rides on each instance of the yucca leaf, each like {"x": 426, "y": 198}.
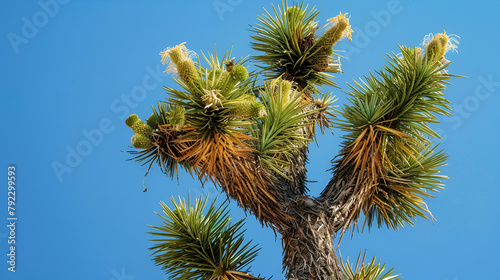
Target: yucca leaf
{"x": 198, "y": 243}
{"x": 368, "y": 271}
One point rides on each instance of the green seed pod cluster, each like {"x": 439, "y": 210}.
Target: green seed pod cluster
{"x": 176, "y": 54}
{"x": 282, "y": 89}
{"x": 237, "y": 75}
{"x": 181, "y": 63}
{"x": 152, "y": 121}
{"x": 257, "y": 110}
{"x": 322, "y": 61}
{"x": 328, "y": 51}
{"x": 436, "y": 48}
{"x": 187, "y": 71}
{"x": 216, "y": 77}
{"x": 177, "y": 117}
{"x": 248, "y": 106}
{"x": 213, "y": 75}
{"x": 333, "y": 34}
{"x": 138, "y": 126}
{"x": 336, "y": 32}
{"x": 285, "y": 87}
{"x": 293, "y": 12}
{"x": 140, "y": 141}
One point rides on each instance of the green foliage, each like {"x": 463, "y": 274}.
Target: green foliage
{"x": 407, "y": 94}
{"x": 371, "y": 271}
{"x": 198, "y": 243}
{"x": 219, "y": 125}
{"x": 176, "y": 117}
{"x": 207, "y": 102}
{"x": 282, "y": 130}
{"x": 401, "y": 197}
{"x": 290, "y": 48}
{"x": 157, "y": 154}
{"x": 395, "y": 109}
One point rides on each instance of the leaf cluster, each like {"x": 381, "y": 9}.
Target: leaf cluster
{"x": 288, "y": 43}
{"x": 370, "y": 271}
{"x": 198, "y": 243}
{"x": 389, "y": 142}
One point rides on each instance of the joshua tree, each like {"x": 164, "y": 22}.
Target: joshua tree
{"x": 251, "y": 140}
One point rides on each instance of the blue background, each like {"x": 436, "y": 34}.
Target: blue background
{"x": 78, "y": 68}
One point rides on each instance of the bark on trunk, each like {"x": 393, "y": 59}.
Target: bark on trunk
{"x": 308, "y": 247}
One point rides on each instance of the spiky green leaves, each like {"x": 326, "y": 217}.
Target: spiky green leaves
{"x": 406, "y": 96}
{"x": 370, "y": 271}
{"x": 388, "y": 139}
{"x": 176, "y": 117}
{"x": 198, "y": 243}
{"x": 290, "y": 48}
{"x": 140, "y": 141}
{"x": 399, "y": 199}
{"x": 283, "y": 130}
{"x": 215, "y": 142}
{"x": 158, "y": 147}
{"x": 208, "y": 102}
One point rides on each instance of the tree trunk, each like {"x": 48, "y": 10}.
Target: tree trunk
{"x": 308, "y": 245}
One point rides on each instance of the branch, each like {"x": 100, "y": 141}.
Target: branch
{"x": 387, "y": 162}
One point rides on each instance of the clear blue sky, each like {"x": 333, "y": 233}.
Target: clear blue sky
{"x": 72, "y": 71}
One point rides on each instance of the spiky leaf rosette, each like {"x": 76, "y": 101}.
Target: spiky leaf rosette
{"x": 291, "y": 49}
{"x": 219, "y": 108}
{"x": 198, "y": 243}
{"x": 282, "y": 130}
{"x": 388, "y": 162}
{"x": 164, "y": 151}
{"x": 370, "y": 271}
